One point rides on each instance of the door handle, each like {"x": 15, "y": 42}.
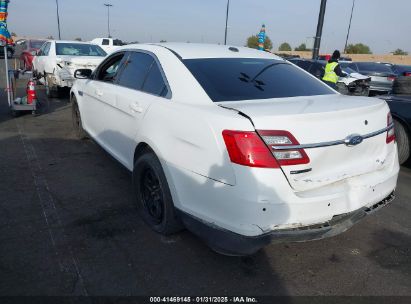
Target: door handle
{"x": 99, "y": 93}
{"x": 135, "y": 107}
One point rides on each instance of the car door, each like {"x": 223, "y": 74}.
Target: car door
{"x": 141, "y": 83}
{"x": 99, "y": 97}
{"x": 37, "y": 62}
{"x": 42, "y": 60}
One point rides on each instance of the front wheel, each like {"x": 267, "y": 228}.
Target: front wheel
{"x": 403, "y": 142}
{"x": 152, "y": 195}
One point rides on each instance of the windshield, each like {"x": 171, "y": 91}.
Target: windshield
{"x": 232, "y": 79}
{"x": 79, "y": 49}
{"x": 36, "y": 44}
{"x": 349, "y": 70}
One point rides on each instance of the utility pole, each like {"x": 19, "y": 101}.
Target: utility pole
{"x": 58, "y": 18}
{"x": 226, "y": 22}
{"x": 349, "y": 27}
{"x": 108, "y": 17}
{"x": 317, "y": 39}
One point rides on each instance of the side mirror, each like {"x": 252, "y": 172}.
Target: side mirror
{"x": 82, "y": 73}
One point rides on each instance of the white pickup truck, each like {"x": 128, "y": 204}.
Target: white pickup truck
{"x": 107, "y": 44}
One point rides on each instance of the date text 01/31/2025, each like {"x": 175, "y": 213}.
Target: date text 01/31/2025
{"x": 203, "y": 300}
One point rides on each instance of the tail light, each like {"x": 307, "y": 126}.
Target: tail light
{"x": 249, "y": 149}
{"x": 407, "y": 73}
{"x": 391, "y": 78}
{"x": 390, "y": 132}
{"x": 284, "y": 156}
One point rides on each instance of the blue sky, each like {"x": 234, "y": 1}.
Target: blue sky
{"x": 383, "y": 25}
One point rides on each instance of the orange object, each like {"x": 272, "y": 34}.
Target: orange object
{"x": 31, "y": 92}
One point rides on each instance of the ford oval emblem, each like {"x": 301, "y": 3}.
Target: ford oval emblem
{"x": 353, "y": 140}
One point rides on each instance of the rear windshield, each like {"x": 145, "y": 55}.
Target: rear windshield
{"x": 79, "y": 49}
{"x": 374, "y": 67}
{"x": 117, "y": 42}
{"x": 233, "y": 79}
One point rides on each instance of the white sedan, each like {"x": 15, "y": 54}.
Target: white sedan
{"x": 57, "y": 60}
{"x": 237, "y": 145}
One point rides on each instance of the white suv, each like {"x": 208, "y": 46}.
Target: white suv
{"x": 239, "y": 146}
{"x": 57, "y": 60}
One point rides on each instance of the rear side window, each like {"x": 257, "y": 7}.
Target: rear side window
{"x": 154, "y": 83}
{"x": 232, "y": 79}
{"x": 47, "y": 49}
{"x": 135, "y": 70}
{"x": 106, "y": 42}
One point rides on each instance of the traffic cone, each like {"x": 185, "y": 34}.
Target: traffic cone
{"x": 31, "y": 92}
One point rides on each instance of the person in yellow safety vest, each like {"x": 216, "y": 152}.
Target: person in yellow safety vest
{"x": 333, "y": 70}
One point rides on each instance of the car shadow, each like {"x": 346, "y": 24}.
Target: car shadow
{"x": 184, "y": 255}
{"x": 117, "y": 253}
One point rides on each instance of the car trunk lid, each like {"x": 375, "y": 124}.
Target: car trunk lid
{"x": 325, "y": 119}
{"x": 73, "y": 63}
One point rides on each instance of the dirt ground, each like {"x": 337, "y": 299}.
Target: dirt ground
{"x": 406, "y": 60}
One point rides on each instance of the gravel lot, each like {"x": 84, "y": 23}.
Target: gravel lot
{"x": 68, "y": 226}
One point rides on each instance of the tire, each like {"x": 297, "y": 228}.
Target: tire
{"x": 402, "y": 86}
{"x": 403, "y": 142}
{"x": 77, "y": 122}
{"x": 14, "y": 113}
{"x": 152, "y": 194}
{"x": 51, "y": 91}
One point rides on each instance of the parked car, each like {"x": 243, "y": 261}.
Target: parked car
{"x": 400, "y": 106}
{"x": 382, "y": 75}
{"x": 109, "y": 45}
{"x": 401, "y": 70}
{"x": 327, "y": 57}
{"x": 239, "y": 145}
{"x": 26, "y": 50}
{"x": 56, "y": 62}
{"x": 10, "y": 51}
{"x": 353, "y": 84}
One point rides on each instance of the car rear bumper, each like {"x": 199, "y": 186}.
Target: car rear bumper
{"x": 230, "y": 243}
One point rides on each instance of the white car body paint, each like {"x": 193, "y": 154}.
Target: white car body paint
{"x": 185, "y": 132}
{"x": 351, "y": 77}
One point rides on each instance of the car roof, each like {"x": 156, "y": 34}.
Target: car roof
{"x": 71, "y": 41}
{"x": 200, "y": 50}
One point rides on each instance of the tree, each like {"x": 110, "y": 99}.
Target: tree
{"x": 358, "y": 48}
{"x": 400, "y": 52}
{"x": 78, "y": 39}
{"x": 302, "y": 48}
{"x": 285, "y": 46}
{"x": 252, "y": 42}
